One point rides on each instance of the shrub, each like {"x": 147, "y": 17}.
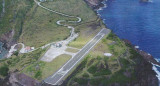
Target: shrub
{"x": 92, "y": 69}
{"x": 4, "y": 70}
{"x": 112, "y": 36}
{"x": 81, "y": 81}
{"x": 125, "y": 62}
{"x": 134, "y": 54}
{"x": 38, "y": 74}
{"x": 111, "y": 47}
{"x": 16, "y": 53}
{"x": 102, "y": 72}
{"x": 85, "y": 75}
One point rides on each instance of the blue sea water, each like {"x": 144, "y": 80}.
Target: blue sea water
{"x": 3, "y": 51}
{"x": 136, "y": 21}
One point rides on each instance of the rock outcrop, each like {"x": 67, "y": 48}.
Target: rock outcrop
{"x": 148, "y": 57}
{"x": 8, "y": 39}
{"x": 94, "y": 4}
{"x": 19, "y": 79}
{"x": 145, "y": 74}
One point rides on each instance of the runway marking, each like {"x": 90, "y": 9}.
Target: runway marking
{"x": 92, "y": 45}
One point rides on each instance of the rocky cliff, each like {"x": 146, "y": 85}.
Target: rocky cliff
{"x": 144, "y": 73}
{"x": 94, "y": 4}
{"x": 18, "y": 79}
{"x": 8, "y": 39}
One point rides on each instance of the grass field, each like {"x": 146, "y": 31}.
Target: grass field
{"x": 72, "y": 7}
{"x": 40, "y": 28}
{"x": 97, "y": 68}
{"x": 72, "y": 50}
{"x": 40, "y": 21}
{"x": 86, "y": 33}
{"x": 90, "y": 24}
{"x": 15, "y": 12}
{"x": 41, "y": 70}
{"x": 20, "y": 61}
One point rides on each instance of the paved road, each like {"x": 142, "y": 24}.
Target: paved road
{"x": 57, "y": 77}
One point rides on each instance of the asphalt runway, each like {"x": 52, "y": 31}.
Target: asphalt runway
{"x": 57, "y": 77}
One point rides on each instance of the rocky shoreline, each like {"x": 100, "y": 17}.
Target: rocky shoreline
{"x": 147, "y": 76}
{"x": 95, "y": 4}
{"x": 18, "y": 79}
{"x": 8, "y": 40}
{"x": 148, "y": 57}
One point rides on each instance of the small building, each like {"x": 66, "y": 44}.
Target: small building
{"x": 27, "y": 48}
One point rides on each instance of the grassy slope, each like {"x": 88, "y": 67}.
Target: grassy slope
{"x": 19, "y": 62}
{"x": 40, "y": 21}
{"x": 72, "y": 7}
{"x": 72, "y": 50}
{"x": 98, "y": 69}
{"x": 40, "y": 27}
{"x": 1, "y": 7}
{"x": 90, "y": 24}
{"x": 45, "y": 68}
{"x": 15, "y": 11}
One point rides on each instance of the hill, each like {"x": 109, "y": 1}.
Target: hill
{"x": 24, "y": 21}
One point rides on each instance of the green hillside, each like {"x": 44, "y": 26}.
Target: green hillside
{"x": 35, "y": 26}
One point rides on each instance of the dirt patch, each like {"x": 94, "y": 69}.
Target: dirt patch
{"x": 94, "y": 26}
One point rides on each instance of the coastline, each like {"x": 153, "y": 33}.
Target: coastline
{"x": 8, "y": 40}
{"x": 148, "y": 57}
{"x": 100, "y": 8}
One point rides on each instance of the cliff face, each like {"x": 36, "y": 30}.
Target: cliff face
{"x": 143, "y": 69}
{"x": 12, "y": 16}
{"x": 94, "y": 4}
{"x": 144, "y": 74}
{"x": 18, "y": 79}
{"x": 8, "y": 39}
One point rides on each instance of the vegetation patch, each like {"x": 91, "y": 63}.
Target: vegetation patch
{"x": 15, "y": 13}
{"x": 81, "y": 81}
{"x": 85, "y": 75}
{"x": 41, "y": 70}
{"x": 20, "y": 61}
{"x": 4, "y": 70}
{"x": 103, "y": 70}
{"x": 72, "y": 50}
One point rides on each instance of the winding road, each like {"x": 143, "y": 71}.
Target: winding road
{"x": 69, "y": 39}
{"x": 58, "y": 77}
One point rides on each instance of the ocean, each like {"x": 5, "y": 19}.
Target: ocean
{"x": 136, "y": 21}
